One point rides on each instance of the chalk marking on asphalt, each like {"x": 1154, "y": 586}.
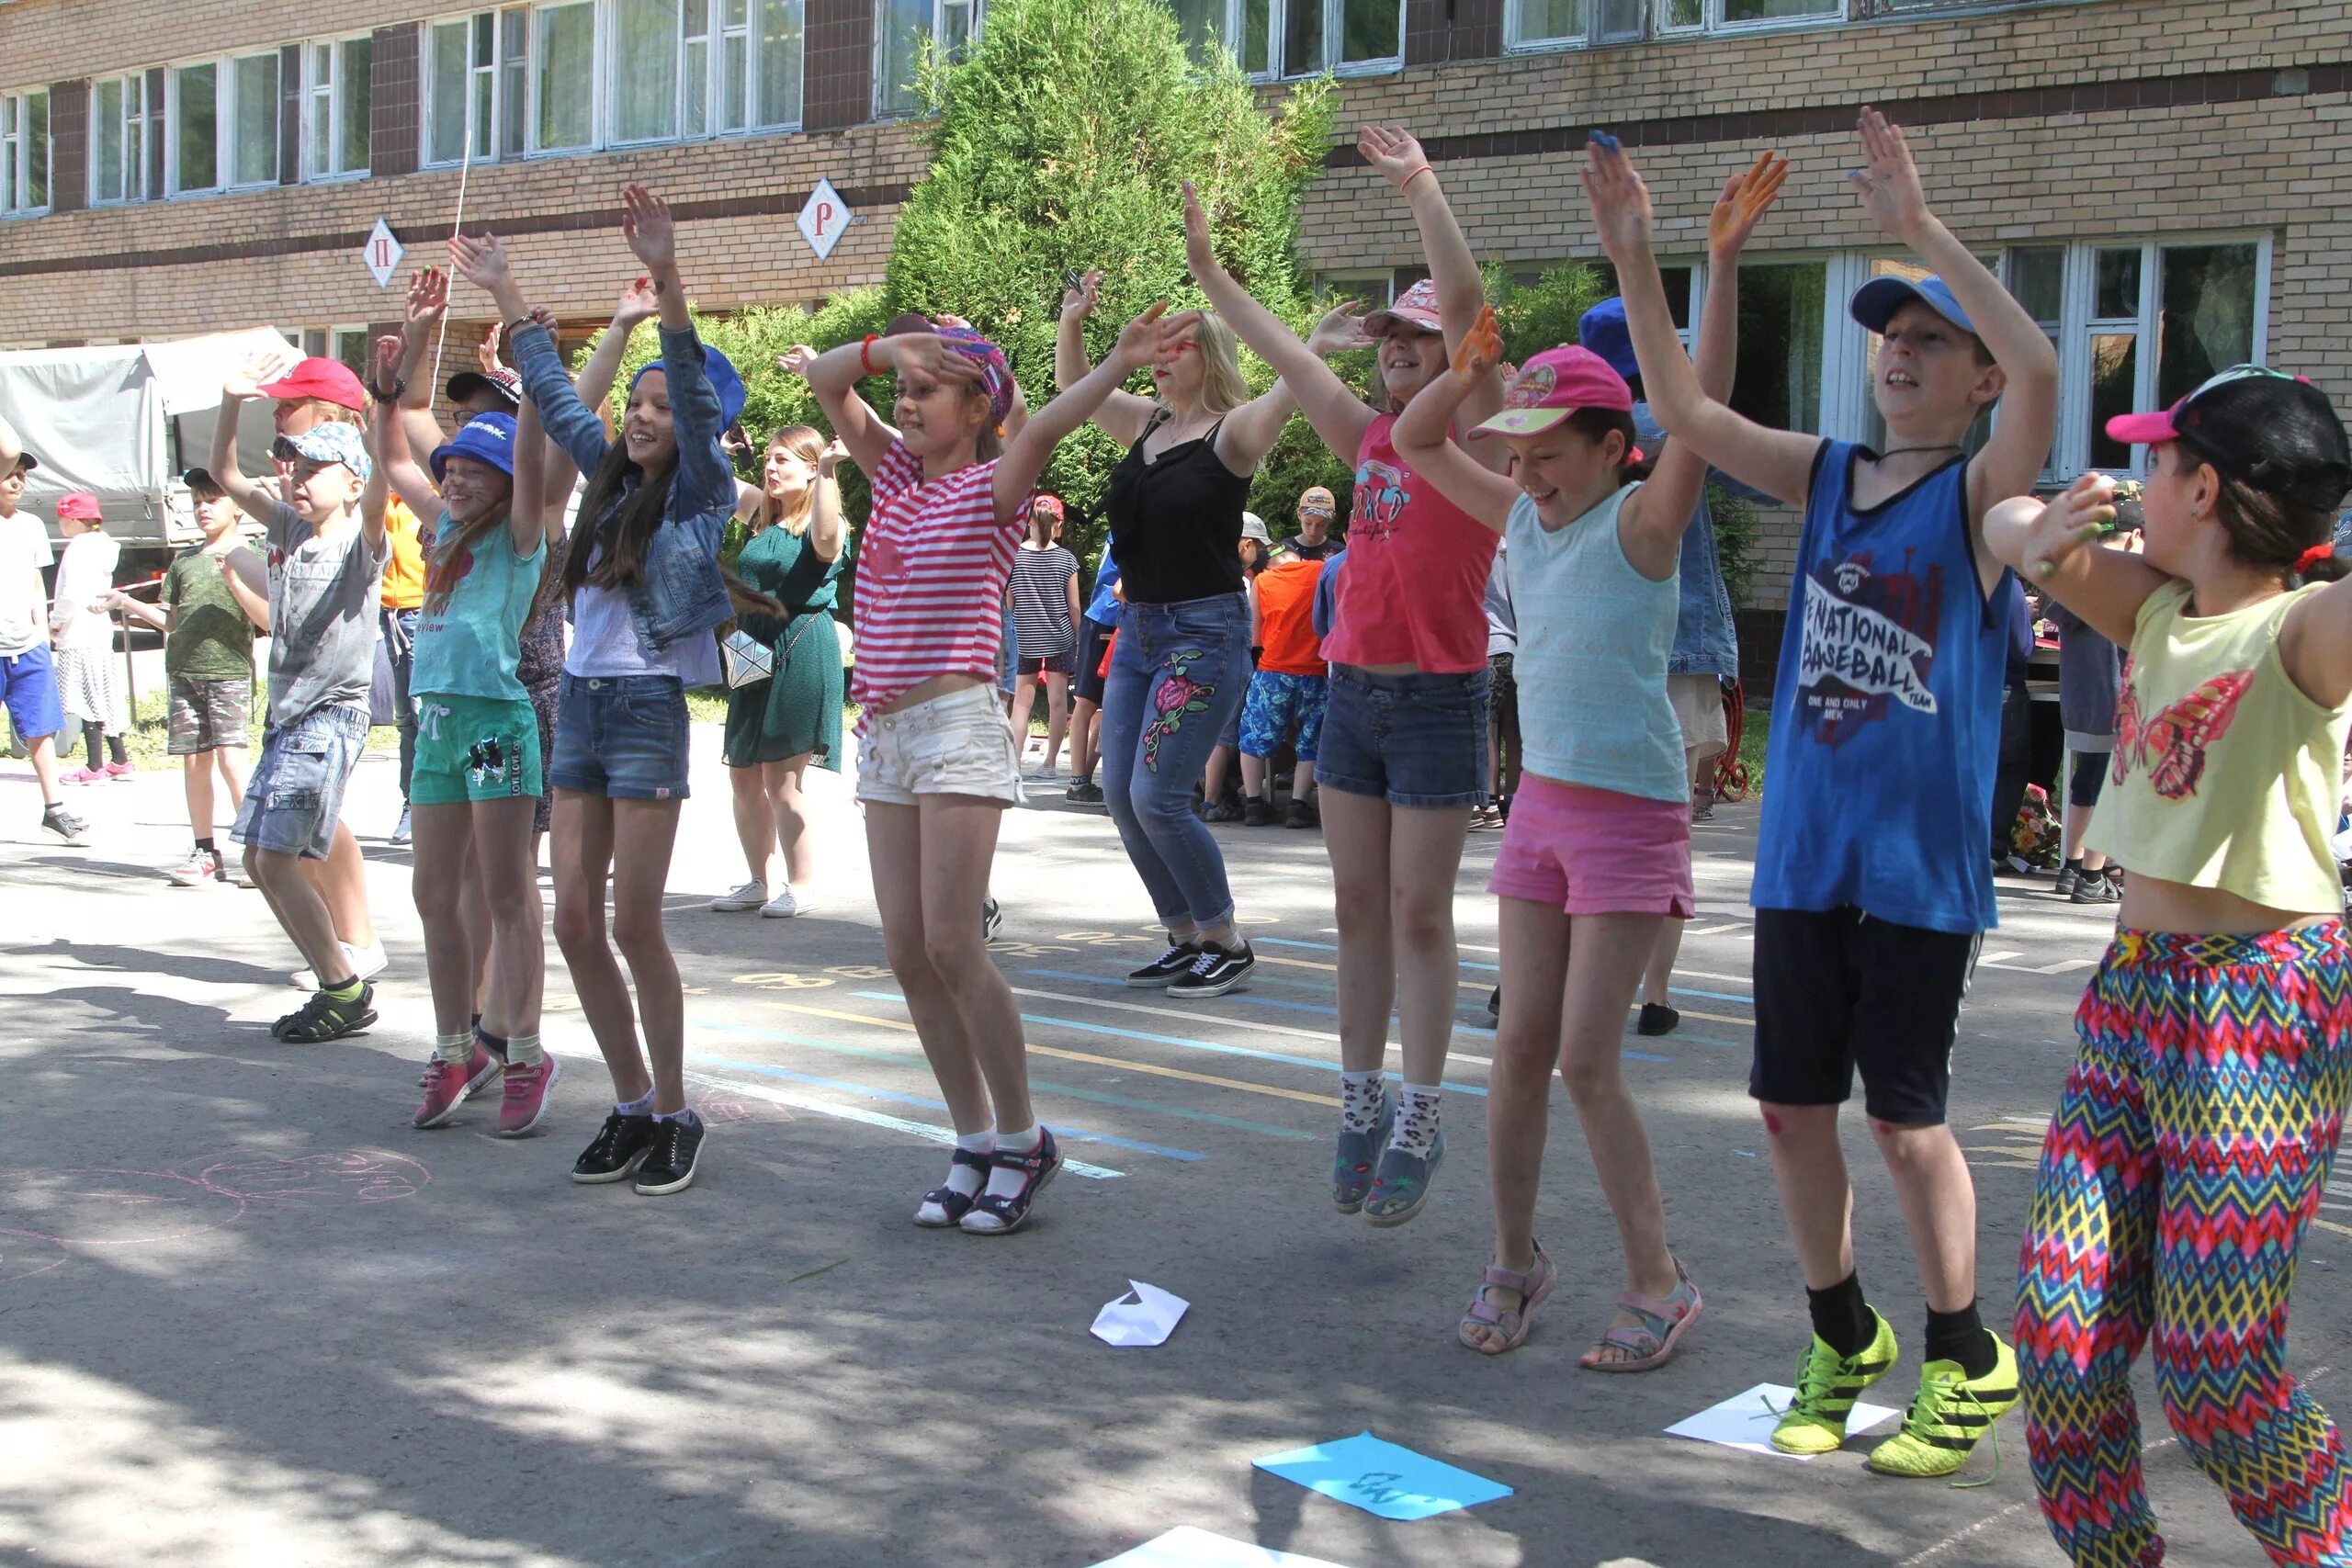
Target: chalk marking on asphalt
{"x": 923, "y": 1130}
{"x": 1123, "y": 1066}
{"x": 1253, "y": 1024}
{"x": 1331, "y": 947}
{"x": 1124, "y": 1102}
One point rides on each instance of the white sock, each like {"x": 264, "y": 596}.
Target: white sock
{"x": 1416, "y": 1120}
{"x": 963, "y": 1178}
{"x": 524, "y": 1051}
{"x": 1360, "y": 1102}
{"x": 458, "y": 1048}
{"x": 642, "y": 1106}
{"x": 686, "y": 1115}
{"x": 1007, "y": 1183}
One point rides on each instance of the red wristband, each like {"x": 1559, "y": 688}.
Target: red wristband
{"x": 864, "y": 363}
{"x": 1417, "y": 174}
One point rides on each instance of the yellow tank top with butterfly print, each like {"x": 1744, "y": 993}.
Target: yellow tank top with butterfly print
{"x": 2226, "y": 774}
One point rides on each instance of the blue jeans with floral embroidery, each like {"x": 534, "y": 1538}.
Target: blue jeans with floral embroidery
{"x": 1176, "y": 679}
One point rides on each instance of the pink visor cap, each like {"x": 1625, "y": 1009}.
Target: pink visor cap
{"x": 1555, "y": 384}
{"x": 1416, "y": 306}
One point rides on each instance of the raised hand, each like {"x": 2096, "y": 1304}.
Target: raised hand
{"x": 645, "y": 223}
{"x": 1393, "y": 151}
{"x": 486, "y": 352}
{"x": 794, "y": 361}
{"x": 1743, "y": 203}
{"x": 1482, "y": 348}
{"x": 480, "y": 260}
{"x": 927, "y": 354}
{"x": 1621, "y": 202}
{"x": 543, "y": 317}
{"x": 389, "y": 351}
{"x": 831, "y": 459}
{"x": 1085, "y": 297}
{"x": 255, "y": 373}
{"x": 1199, "y": 254}
{"x": 1888, "y": 183}
{"x": 638, "y": 302}
{"x": 2073, "y": 518}
{"x": 1139, "y": 340}
{"x": 428, "y": 296}
{"x": 1340, "y": 330}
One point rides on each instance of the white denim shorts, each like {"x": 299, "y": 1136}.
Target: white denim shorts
{"x": 957, "y": 744}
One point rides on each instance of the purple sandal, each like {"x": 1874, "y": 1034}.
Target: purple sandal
{"x": 949, "y": 1204}
{"x": 990, "y": 1215}
{"x": 1533, "y": 1287}
{"x": 1652, "y": 1342}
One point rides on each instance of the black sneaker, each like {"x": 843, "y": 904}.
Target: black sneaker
{"x": 323, "y": 1018}
{"x": 2093, "y": 887}
{"x": 64, "y": 824}
{"x": 1221, "y": 812}
{"x": 1167, "y": 967}
{"x": 1085, "y": 792}
{"x": 1217, "y": 971}
{"x": 1495, "y": 1004}
{"x": 1657, "y": 1019}
{"x": 1303, "y": 815}
{"x": 669, "y": 1165}
{"x": 623, "y": 1141}
{"x": 1256, "y": 813}
{"x": 991, "y": 919}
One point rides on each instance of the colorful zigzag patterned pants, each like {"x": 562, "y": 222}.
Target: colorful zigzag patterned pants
{"x": 2187, "y": 1159}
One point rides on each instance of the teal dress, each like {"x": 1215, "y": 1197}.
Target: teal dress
{"x": 798, "y": 711}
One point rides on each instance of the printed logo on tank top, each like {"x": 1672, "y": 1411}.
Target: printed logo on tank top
{"x": 1869, "y": 641}
{"x": 1380, "y": 497}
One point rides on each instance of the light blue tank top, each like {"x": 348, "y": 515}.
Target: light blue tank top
{"x": 1594, "y": 634}
{"x": 1887, "y": 710}
{"x": 470, "y": 635}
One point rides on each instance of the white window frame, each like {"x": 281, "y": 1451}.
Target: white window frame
{"x": 132, "y": 128}
{"x": 976, "y": 17}
{"x": 16, "y": 146}
{"x": 1334, "y": 18}
{"x": 329, "y": 342}
{"x": 1712, "y": 20}
{"x": 224, "y": 125}
{"x": 317, "y": 161}
{"x": 754, "y": 108}
{"x": 1515, "y": 25}
{"x": 500, "y": 73}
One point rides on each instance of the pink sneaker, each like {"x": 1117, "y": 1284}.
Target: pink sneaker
{"x": 83, "y": 776}
{"x": 525, "y": 1105}
{"x": 119, "y": 769}
{"x": 447, "y": 1085}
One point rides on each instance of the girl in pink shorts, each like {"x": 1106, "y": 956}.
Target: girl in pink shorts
{"x": 1597, "y": 855}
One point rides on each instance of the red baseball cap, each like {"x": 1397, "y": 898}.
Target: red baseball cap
{"x": 315, "y": 378}
{"x": 1555, "y": 384}
{"x": 1416, "y": 306}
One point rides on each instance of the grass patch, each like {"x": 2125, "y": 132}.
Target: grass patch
{"x": 149, "y": 738}
{"x": 1755, "y": 733}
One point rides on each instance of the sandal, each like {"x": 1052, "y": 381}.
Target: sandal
{"x": 1652, "y": 1342}
{"x": 948, "y": 1203}
{"x": 1001, "y": 1216}
{"x": 323, "y": 1018}
{"x": 1533, "y": 1287}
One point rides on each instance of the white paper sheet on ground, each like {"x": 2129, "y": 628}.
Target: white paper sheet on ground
{"x": 1145, "y": 1315}
{"x": 1746, "y": 1421}
{"x": 1188, "y": 1546}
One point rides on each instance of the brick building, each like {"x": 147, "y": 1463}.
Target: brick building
{"x": 2153, "y": 177}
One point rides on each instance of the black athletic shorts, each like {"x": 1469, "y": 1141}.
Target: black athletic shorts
{"x": 1838, "y": 989}
{"x": 1087, "y": 686}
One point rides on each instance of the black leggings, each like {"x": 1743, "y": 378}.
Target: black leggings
{"x": 2086, "y": 777}
{"x": 91, "y": 733}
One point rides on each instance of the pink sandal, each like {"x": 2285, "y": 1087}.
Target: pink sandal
{"x": 1533, "y": 1287}
{"x": 1652, "y": 1342}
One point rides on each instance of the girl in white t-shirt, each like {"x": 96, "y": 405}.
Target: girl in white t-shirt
{"x": 89, "y": 679}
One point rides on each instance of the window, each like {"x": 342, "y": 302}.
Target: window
{"x": 24, "y": 152}
{"x": 253, "y": 148}
{"x": 348, "y": 344}
{"x": 194, "y": 160}
{"x": 563, "y": 76}
{"x": 335, "y": 95}
{"x": 1694, "y": 15}
{"x": 903, "y": 29}
{"x": 118, "y": 138}
{"x": 1557, "y": 24}
{"x": 1300, "y": 37}
{"x": 476, "y": 102}
{"x": 223, "y": 123}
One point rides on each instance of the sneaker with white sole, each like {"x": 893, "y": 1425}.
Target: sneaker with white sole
{"x": 199, "y": 868}
{"x": 401, "y": 831}
{"x": 525, "y": 1104}
{"x": 784, "y": 905}
{"x": 367, "y": 962}
{"x": 448, "y": 1084}
{"x": 751, "y": 896}
{"x": 1217, "y": 971}
{"x": 64, "y": 824}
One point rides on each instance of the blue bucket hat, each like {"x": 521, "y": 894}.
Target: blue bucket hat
{"x": 487, "y": 438}
{"x": 1875, "y": 302}
{"x": 1602, "y": 330}
{"x": 724, "y": 380}
{"x": 335, "y": 443}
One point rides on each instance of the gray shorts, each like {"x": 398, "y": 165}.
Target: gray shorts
{"x": 209, "y": 715}
{"x": 295, "y": 796}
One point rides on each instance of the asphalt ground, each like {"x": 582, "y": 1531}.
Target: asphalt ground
{"x": 249, "y": 1316}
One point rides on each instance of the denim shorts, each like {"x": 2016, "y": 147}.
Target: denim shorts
{"x": 470, "y": 749}
{"x": 1415, "y": 739}
{"x": 294, "y": 796}
{"x": 620, "y": 737}
{"x": 959, "y": 743}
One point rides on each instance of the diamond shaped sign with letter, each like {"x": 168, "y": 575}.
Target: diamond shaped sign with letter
{"x": 823, "y": 216}
{"x": 383, "y": 252}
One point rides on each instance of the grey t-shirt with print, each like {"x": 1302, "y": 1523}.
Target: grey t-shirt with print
{"x": 322, "y": 598}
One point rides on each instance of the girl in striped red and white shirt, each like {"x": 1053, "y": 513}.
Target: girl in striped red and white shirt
{"x": 937, "y": 759}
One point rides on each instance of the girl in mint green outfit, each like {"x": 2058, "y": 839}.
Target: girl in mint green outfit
{"x": 477, "y": 781}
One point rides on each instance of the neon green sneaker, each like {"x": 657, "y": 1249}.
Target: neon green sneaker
{"x": 1951, "y": 1412}
{"x": 1828, "y": 1385}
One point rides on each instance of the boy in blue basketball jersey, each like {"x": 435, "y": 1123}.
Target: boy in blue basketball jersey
{"x": 1872, "y": 890}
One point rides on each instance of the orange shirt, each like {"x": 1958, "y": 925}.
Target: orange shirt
{"x": 405, "y": 571}
{"x": 1286, "y": 618}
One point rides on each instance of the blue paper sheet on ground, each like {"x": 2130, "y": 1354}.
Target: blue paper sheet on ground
{"x": 1188, "y": 1546}
{"x": 1383, "y": 1479}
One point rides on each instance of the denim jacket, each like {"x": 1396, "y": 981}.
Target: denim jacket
{"x": 1706, "y": 642}
{"x": 680, "y": 591}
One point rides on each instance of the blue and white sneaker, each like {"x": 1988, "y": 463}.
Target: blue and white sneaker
{"x": 1351, "y": 1168}
{"x": 1402, "y": 1184}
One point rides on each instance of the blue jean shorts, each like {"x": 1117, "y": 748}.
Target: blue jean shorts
{"x": 294, "y": 796}
{"x": 1415, "y": 739}
{"x": 620, "y": 737}
{"x": 1275, "y": 703}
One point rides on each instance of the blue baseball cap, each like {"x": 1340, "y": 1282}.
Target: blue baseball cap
{"x": 1602, "y": 330}
{"x": 1875, "y": 302}
{"x": 724, "y": 380}
{"x": 487, "y": 438}
{"x": 335, "y": 443}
